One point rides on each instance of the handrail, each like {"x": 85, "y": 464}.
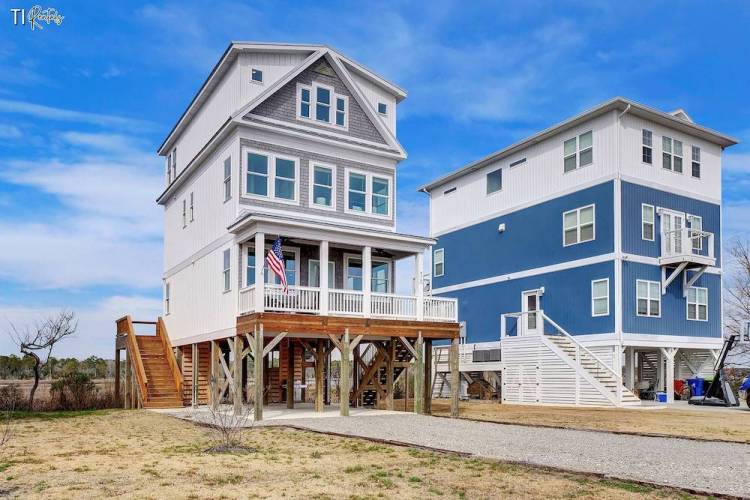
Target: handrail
{"x": 129, "y": 331}
{"x": 580, "y": 346}
{"x": 161, "y": 331}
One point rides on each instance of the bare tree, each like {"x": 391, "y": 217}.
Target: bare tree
{"x": 737, "y": 299}
{"x": 38, "y": 342}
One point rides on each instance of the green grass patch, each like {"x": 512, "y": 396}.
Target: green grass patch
{"x": 53, "y": 415}
{"x": 626, "y": 486}
{"x": 354, "y": 468}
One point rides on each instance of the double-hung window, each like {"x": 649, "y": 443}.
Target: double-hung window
{"x": 169, "y": 168}
{"x": 303, "y": 96}
{"x": 648, "y": 147}
{"x": 272, "y": 176}
{"x": 321, "y": 104}
{"x": 323, "y": 191}
{"x": 695, "y": 169}
{"x": 250, "y": 267}
{"x": 578, "y": 151}
{"x": 671, "y": 152}
{"x": 225, "y": 270}
{"x": 174, "y": 164}
{"x": 438, "y": 262}
{"x": 341, "y": 111}
{"x": 495, "y": 181}
{"x": 647, "y": 222}
{"x": 697, "y": 304}
{"x": 357, "y": 192}
{"x": 368, "y": 193}
{"x": 578, "y": 225}
{"x": 380, "y": 196}
{"x": 380, "y": 275}
{"x": 648, "y": 298}
{"x": 696, "y": 230}
{"x": 227, "y": 179}
{"x": 600, "y": 297}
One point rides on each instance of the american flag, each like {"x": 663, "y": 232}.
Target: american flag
{"x": 275, "y": 261}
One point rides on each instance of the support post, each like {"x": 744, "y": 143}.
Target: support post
{"x": 356, "y": 374}
{"x": 427, "y": 381}
{"x": 290, "y": 374}
{"x": 320, "y": 359}
{"x": 366, "y": 281}
{"x": 344, "y": 378}
{"x": 258, "y": 365}
{"x": 214, "y": 383}
{"x": 260, "y": 249}
{"x": 669, "y": 354}
{"x": 323, "y": 279}
{"x": 418, "y": 286}
{"x": 419, "y": 376}
{"x": 128, "y": 381}
{"x": 237, "y": 375}
{"x": 117, "y": 374}
{"x": 455, "y": 380}
{"x": 194, "y": 396}
{"x": 390, "y": 365}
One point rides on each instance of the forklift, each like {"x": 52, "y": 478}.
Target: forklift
{"x": 719, "y": 393}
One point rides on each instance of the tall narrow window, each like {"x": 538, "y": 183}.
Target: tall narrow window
{"x": 169, "y": 168}
{"x": 438, "y": 264}
{"x": 600, "y": 297}
{"x": 495, "y": 181}
{"x": 184, "y": 213}
{"x": 174, "y": 164}
{"x": 167, "y": 298}
{"x": 648, "y": 298}
{"x": 697, "y": 303}
{"x": 357, "y": 192}
{"x": 322, "y": 186}
{"x": 647, "y": 222}
{"x": 695, "y": 169}
{"x": 340, "y": 111}
{"x": 696, "y": 231}
{"x": 250, "y": 267}
{"x": 671, "y": 152}
{"x": 677, "y": 148}
{"x": 225, "y": 270}
{"x": 322, "y": 104}
{"x": 578, "y": 225}
{"x": 304, "y": 102}
{"x": 285, "y": 179}
{"x": 647, "y": 147}
{"x": 354, "y": 274}
{"x": 257, "y": 174}
{"x": 192, "y": 207}
{"x": 227, "y": 179}
{"x": 380, "y": 277}
{"x": 578, "y": 151}
{"x": 380, "y": 196}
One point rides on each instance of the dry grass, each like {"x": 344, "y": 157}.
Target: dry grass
{"x": 43, "y": 391}
{"x": 146, "y": 455}
{"x": 702, "y": 424}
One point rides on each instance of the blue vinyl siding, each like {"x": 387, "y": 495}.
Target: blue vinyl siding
{"x": 566, "y": 300}
{"x": 533, "y": 238}
{"x": 633, "y": 195}
{"x": 673, "y": 320}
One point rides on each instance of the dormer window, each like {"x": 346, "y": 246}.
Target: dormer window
{"x": 321, "y": 104}
{"x": 382, "y": 108}
{"x": 256, "y": 75}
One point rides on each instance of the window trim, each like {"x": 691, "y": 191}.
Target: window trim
{"x": 383, "y": 260}
{"x": 578, "y": 151}
{"x": 336, "y": 111}
{"x": 594, "y": 298}
{"x": 435, "y": 252}
{"x": 644, "y": 146}
{"x": 487, "y": 181}
{"x": 300, "y": 87}
{"x": 693, "y": 162}
{"x": 687, "y": 304}
{"x": 648, "y": 298}
{"x": 311, "y": 182}
{"x": 270, "y": 176}
{"x": 331, "y": 285}
{"x": 578, "y": 225}
{"x": 253, "y": 80}
{"x": 227, "y": 183}
{"x": 368, "y": 193}
{"x": 266, "y": 248}
{"x": 385, "y": 107}
{"x": 653, "y": 223}
{"x": 226, "y": 269}
{"x": 689, "y": 220}
{"x": 184, "y": 213}
{"x": 192, "y": 206}
{"x": 312, "y": 119}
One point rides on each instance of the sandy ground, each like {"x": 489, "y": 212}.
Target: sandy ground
{"x": 140, "y": 454}
{"x": 678, "y": 420}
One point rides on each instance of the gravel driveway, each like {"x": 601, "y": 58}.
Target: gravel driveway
{"x": 713, "y": 467}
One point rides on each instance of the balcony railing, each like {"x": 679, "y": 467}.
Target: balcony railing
{"x": 686, "y": 244}
{"x": 303, "y": 299}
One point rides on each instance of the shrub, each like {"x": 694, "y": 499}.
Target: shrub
{"x": 11, "y": 399}
{"x": 74, "y": 391}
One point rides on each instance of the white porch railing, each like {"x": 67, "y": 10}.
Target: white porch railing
{"x": 305, "y": 299}
{"x": 686, "y": 242}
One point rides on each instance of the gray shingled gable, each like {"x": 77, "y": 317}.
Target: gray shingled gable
{"x": 282, "y": 104}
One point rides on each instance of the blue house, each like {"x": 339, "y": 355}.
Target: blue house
{"x": 589, "y": 254}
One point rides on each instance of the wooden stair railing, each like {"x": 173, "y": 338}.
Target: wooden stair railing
{"x": 125, "y": 328}
{"x": 161, "y": 332}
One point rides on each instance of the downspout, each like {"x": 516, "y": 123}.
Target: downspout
{"x": 618, "y": 238}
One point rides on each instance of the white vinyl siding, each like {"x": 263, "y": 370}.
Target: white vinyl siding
{"x": 578, "y": 151}
{"x": 579, "y": 225}
{"x": 227, "y": 179}
{"x": 695, "y": 166}
{"x": 647, "y": 155}
{"x": 600, "y": 297}
{"x": 697, "y": 304}
{"x": 495, "y": 181}
{"x": 438, "y": 262}
{"x": 648, "y": 298}
{"x": 272, "y": 176}
{"x": 226, "y": 269}
{"x": 647, "y": 222}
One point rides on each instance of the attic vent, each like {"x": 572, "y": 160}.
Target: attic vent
{"x": 449, "y": 191}
{"x": 323, "y": 69}
{"x": 518, "y": 162}
{"x": 682, "y": 115}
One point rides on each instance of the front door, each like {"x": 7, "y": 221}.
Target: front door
{"x": 671, "y": 228}
{"x": 530, "y": 305}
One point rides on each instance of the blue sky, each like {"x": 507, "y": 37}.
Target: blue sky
{"x": 84, "y": 105}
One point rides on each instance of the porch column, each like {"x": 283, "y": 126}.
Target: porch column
{"x": 418, "y": 286}
{"x": 323, "y": 281}
{"x": 455, "y": 376}
{"x": 630, "y": 363}
{"x": 258, "y": 365}
{"x": 260, "y": 258}
{"x": 669, "y": 353}
{"x": 344, "y": 388}
{"x": 366, "y": 280}
{"x": 390, "y": 366}
{"x": 290, "y": 374}
{"x": 427, "y": 377}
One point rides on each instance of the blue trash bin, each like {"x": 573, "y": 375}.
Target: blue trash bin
{"x": 661, "y": 397}
{"x": 696, "y": 386}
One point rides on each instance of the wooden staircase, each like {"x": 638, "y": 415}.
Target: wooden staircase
{"x": 157, "y": 375}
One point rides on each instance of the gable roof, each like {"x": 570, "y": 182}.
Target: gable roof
{"x": 231, "y": 53}
{"x": 675, "y": 121}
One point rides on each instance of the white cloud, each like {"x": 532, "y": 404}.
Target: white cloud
{"x": 68, "y": 115}
{"x": 736, "y": 163}
{"x": 9, "y": 131}
{"x": 96, "y": 323}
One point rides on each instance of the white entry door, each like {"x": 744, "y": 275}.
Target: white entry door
{"x": 671, "y": 227}
{"x": 530, "y": 305}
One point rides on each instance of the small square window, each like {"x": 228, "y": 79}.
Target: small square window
{"x": 382, "y": 108}
{"x": 495, "y": 181}
{"x": 256, "y": 75}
